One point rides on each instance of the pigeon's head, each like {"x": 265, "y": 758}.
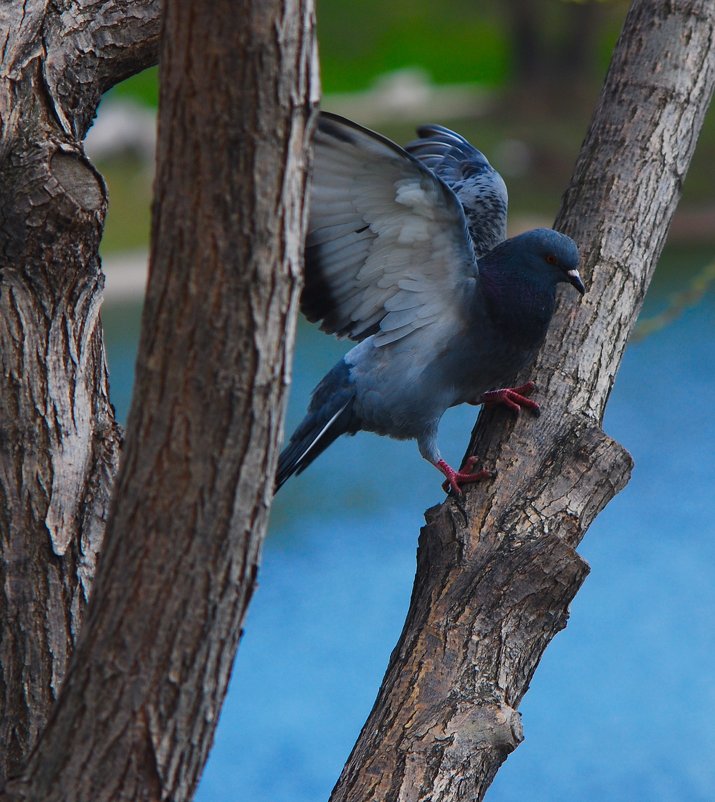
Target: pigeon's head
{"x": 552, "y": 256}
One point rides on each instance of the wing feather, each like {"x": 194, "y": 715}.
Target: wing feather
{"x": 387, "y": 250}
{"x": 478, "y": 186}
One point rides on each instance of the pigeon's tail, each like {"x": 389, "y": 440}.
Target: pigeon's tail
{"x": 330, "y": 414}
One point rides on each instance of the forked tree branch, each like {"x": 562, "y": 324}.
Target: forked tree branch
{"x": 92, "y": 45}
{"x": 59, "y": 442}
{"x": 494, "y": 581}
{"x": 81, "y": 48}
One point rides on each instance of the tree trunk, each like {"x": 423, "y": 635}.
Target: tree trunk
{"x": 494, "y": 579}
{"x": 138, "y": 708}
{"x": 59, "y": 443}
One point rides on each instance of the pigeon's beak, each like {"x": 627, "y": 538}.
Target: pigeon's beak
{"x": 575, "y": 279}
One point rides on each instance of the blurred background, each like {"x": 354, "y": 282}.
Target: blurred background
{"x": 621, "y": 707}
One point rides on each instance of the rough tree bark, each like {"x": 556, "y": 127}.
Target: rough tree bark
{"x": 59, "y": 443}
{"x": 494, "y": 582}
{"x": 141, "y": 697}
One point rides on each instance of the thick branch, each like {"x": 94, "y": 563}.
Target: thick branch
{"x": 494, "y": 582}
{"x": 93, "y": 45}
{"x": 82, "y": 49}
{"x": 59, "y": 444}
{"x": 138, "y": 707}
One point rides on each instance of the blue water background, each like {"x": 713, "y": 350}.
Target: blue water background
{"x": 622, "y": 706}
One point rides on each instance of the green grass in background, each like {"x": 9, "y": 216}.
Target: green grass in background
{"x": 128, "y": 222}
{"x": 456, "y": 42}
{"x": 460, "y": 41}
{"x": 143, "y": 87}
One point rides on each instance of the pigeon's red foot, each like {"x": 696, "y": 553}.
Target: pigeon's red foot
{"x": 513, "y": 397}
{"x": 466, "y": 474}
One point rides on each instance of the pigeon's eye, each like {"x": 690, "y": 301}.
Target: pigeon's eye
{"x": 551, "y": 259}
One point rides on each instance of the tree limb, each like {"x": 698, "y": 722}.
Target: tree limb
{"x": 93, "y": 45}
{"x": 492, "y": 591}
{"x": 59, "y": 442}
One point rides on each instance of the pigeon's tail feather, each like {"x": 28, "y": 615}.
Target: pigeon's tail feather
{"x": 302, "y": 451}
{"x": 330, "y": 415}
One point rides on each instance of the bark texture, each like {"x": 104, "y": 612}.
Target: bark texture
{"x": 494, "y": 579}
{"x": 141, "y": 698}
{"x": 59, "y": 443}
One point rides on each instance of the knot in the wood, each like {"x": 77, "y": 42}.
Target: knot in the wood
{"x": 78, "y": 180}
{"x": 492, "y": 726}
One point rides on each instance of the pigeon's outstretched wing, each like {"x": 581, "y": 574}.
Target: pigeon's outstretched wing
{"x": 387, "y": 250}
{"x": 466, "y": 171}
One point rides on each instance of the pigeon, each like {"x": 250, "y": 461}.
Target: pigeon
{"x": 406, "y": 254}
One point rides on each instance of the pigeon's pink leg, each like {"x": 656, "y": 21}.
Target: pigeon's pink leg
{"x": 463, "y": 476}
{"x": 512, "y": 397}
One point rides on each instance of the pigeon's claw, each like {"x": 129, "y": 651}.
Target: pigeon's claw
{"x": 466, "y": 475}
{"x": 513, "y": 397}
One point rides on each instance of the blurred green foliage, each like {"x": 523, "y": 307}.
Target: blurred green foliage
{"x": 128, "y": 222}
{"x": 143, "y": 87}
{"x": 456, "y": 41}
